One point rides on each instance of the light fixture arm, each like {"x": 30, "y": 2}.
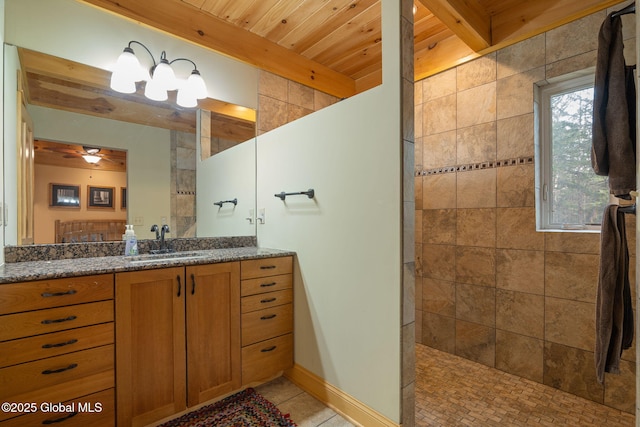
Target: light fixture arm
{"x": 147, "y": 49}
{"x": 195, "y": 67}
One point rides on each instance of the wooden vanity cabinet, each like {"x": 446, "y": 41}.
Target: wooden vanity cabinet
{"x": 178, "y": 339}
{"x": 213, "y": 331}
{"x": 267, "y": 317}
{"x": 57, "y": 345}
{"x": 150, "y": 340}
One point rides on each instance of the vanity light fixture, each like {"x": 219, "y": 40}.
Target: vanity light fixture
{"x": 91, "y": 156}
{"x": 160, "y": 78}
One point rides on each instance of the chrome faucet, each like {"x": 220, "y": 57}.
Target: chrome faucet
{"x": 160, "y": 232}
{"x": 163, "y": 245}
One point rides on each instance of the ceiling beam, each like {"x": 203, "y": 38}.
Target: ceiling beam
{"x": 466, "y": 18}
{"x": 178, "y": 18}
{"x": 517, "y": 24}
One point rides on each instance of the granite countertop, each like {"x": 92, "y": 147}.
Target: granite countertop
{"x": 38, "y": 270}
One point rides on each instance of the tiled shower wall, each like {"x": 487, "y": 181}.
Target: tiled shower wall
{"x": 488, "y": 286}
{"x": 281, "y": 101}
{"x": 183, "y": 184}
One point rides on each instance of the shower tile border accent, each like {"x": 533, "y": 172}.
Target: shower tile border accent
{"x": 527, "y": 160}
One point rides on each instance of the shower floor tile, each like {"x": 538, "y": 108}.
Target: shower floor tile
{"x": 452, "y": 391}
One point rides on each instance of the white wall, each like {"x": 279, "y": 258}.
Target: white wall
{"x": 348, "y": 239}
{"x": 148, "y": 158}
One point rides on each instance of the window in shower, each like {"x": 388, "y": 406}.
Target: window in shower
{"x": 570, "y": 196}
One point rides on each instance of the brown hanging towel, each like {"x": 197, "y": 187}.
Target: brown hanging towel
{"x": 613, "y": 145}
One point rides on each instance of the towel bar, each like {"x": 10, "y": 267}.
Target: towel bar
{"x": 310, "y": 193}
{"x": 628, "y": 209}
{"x": 221, "y": 202}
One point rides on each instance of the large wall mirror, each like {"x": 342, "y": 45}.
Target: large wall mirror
{"x": 158, "y": 163}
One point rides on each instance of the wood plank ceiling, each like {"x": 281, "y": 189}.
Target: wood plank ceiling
{"x": 336, "y": 45}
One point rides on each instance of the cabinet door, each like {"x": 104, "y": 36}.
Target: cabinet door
{"x": 150, "y": 337}
{"x": 213, "y": 330}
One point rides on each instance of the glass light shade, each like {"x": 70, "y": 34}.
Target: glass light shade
{"x": 91, "y": 159}
{"x": 164, "y": 76}
{"x": 154, "y": 91}
{"x": 126, "y": 72}
{"x": 186, "y": 99}
{"x": 122, "y": 83}
{"x": 196, "y": 86}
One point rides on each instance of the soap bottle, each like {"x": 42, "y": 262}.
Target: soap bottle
{"x": 131, "y": 243}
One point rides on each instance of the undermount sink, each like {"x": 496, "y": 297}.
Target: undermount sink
{"x": 168, "y": 256}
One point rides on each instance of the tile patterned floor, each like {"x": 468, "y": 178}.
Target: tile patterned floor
{"x": 452, "y": 391}
{"x": 304, "y": 409}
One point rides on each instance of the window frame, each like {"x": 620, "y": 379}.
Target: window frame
{"x": 544, "y": 153}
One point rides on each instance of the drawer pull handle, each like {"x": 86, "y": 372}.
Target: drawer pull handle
{"x": 268, "y": 349}
{"x": 179, "y": 285}
{"x": 58, "y": 294}
{"x": 193, "y": 284}
{"x": 66, "y": 319}
{"x": 267, "y": 267}
{"x": 57, "y": 371}
{"x": 268, "y": 316}
{"x": 266, "y": 285}
{"x": 266, "y": 300}
{"x": 60, "y": 344}
{"x": 61, "y": 419}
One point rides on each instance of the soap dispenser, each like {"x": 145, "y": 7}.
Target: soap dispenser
{"x": 131, "y": 243}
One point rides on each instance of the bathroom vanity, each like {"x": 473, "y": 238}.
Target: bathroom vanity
{"x": 131, "y": 342}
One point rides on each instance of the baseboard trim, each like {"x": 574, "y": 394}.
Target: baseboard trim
{"x": 355, "y": 411}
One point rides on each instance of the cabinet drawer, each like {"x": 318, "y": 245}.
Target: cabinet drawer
{"x": 266, "y": 358}
{"x": 94, "y": 410}
{"x": 266, "y": 284}
{"x": 263, "y": 324}
{"x": 54, "y": 344}
{"x": 38, "y": 322}
{"x": 266, "y": 300}
{"x": 27, "y": 377}
{"x": 266, "y": 267}
{"x": 26, "y": 296}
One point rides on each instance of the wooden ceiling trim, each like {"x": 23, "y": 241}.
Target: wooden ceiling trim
{"x": 466, "y": 18}
{"x": 191, "y": 24}
{"x": 369, "y": 81}
{"x": 519, "y": 23}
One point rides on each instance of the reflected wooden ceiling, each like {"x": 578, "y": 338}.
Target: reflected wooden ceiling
{"x": 335, "y": 45}
{"x": 70, "y": 156}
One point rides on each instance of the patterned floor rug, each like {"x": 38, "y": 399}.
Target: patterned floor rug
{"x": 244, "y": 409}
